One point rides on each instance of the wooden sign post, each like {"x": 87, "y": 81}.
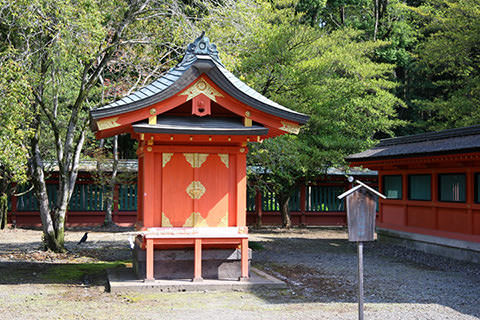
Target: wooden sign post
{"x": 361, "y": 204}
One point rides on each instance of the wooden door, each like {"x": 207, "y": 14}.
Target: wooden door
{"x": 195, "y": 189}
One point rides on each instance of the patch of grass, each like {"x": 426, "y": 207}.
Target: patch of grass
{"x": 255, "y": 245}
{"x": 76, "y": 271}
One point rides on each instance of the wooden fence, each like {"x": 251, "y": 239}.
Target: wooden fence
{"x": 86, "y": 207}
{"x": 311, "y": 204}
{"x": 314, "y": 204}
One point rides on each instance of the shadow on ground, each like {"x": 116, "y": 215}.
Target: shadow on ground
{"x": 57, "y": 273}
{"x": 325, "y": 271}
{"x": 317, "y": 270}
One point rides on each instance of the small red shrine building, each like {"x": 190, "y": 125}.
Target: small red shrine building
{"x": 432, "y": 184}
{"x": 193, "y": 125}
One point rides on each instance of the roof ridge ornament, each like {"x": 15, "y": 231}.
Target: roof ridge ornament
{"x": 200, "y": 46}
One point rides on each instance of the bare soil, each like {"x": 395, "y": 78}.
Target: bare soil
{"x": 318, "y": 264}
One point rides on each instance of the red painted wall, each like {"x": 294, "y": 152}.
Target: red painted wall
{"x": 454, "y": 220}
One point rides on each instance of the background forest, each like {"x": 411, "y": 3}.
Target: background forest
{"x": 362, "y": 69}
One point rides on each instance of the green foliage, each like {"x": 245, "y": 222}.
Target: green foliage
{"x": 450, "y": 58}
{"x": 348, "y": 96}
{"x": 433, "y": 45}
{"x": 277, "y": 164}
{"x": 14, "y": 118}
{"x": 330, "y": 76}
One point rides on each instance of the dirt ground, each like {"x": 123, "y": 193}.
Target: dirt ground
{"x": 318, "y": 264}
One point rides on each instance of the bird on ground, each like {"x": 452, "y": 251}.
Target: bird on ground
{"x": 84, "y": 238}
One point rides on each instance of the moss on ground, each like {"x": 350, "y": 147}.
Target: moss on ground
{"x": 255, "y": 245}
{"x": 77, "y": 271}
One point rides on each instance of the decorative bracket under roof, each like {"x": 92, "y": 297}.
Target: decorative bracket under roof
{"x": 201, "y": 46}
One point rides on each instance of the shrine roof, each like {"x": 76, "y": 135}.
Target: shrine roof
{"x": 458, "y": 140}
{"x": 199, "y": 125}
{"x": 201, "y": 57}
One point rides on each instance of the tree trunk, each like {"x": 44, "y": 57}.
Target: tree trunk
{"x": 4, "y": 195}
{"x": 258, "y": 207}
{"x": 3, "y": 209}
{"x": 285, "y": 211}
{"x": 342, "y": 15}
{"x": 52, "y": 239}
{"x": 376, "y": 15}
{"x": 109, "y": 205}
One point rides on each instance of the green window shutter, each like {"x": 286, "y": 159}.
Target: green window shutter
{"x": 127, "y": 197}
{"x": 294, "y": 203}
{"x": 323, "y": 198}
{"x": 86, "y": 197}
{"x": 392, "y": 186}
{"x": 451, "y": 187}
{"x": 420, "y": 187}
{"x": 27, "y": 202}
{"x": 269, "y": 202}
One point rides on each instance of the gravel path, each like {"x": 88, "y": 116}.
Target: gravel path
{"x": 319, "y": 266}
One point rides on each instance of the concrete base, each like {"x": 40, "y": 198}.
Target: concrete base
{"x": 125, "y": 280}
{"x": 451, "y": 248}
{"x": 179, "y": 264}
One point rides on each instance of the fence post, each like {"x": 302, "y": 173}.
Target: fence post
{"x": 258, "y": 207}
{"x": 303, "y": 201}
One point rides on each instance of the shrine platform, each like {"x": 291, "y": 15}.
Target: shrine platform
{"x": 125, "y": 280}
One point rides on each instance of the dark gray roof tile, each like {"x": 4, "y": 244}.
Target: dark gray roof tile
{"x": 141, "y": 95}
{"x": 458, "y": 140}
{"x": 166, "y": 82}
{"x": 175, "y": 72}
{"x": 149, "y": 90}
{"x": 158, "y": 85}
{"x": 137, "y": 96}
{"x": 127, "y": 99}
{"x": 171, "y": 77}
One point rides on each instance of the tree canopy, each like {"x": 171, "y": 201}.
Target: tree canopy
{"x": 449, "y": 57}
{"x": 331, "y": 76}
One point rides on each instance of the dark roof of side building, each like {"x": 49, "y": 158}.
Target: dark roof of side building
{"x": 200, "y": 57}
{"x": 458, "y": 140}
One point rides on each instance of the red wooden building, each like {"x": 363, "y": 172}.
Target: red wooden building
{"x": 313, "y": 203}
{"x": 432, "y": 184}
{"x": 193, "y": 125}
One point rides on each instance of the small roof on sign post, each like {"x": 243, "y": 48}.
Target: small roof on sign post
{"x": 361, "y": 185}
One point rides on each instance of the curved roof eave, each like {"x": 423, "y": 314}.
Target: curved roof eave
{"x": 179, "y": 77}
{"x": 242, "y": 92}
{"x": 155, "y": 92}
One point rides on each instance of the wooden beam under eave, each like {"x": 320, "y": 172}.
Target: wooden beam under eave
{"x": 112, "y": 132}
